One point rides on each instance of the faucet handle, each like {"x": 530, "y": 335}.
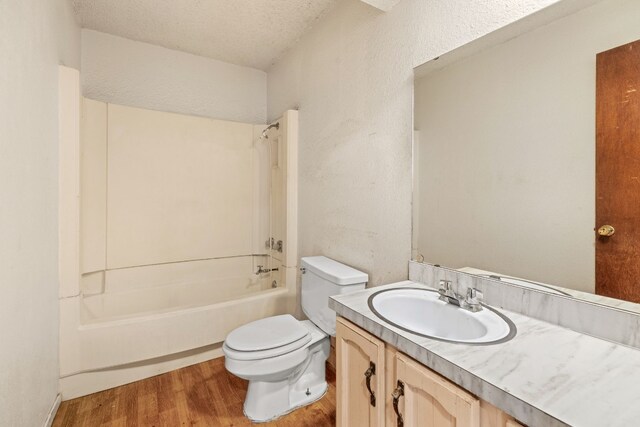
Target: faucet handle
{"x": 473, "y": 299}
{"x": 444, "y": 285}
{"x": 473, "y": 293}
{"x": 444, "y": 289}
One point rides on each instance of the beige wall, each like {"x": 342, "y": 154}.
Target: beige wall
{"x": 122, "y": 71}
{"x": 506, "y": 151}
{"x": 35, "y": 37}
{"x": 352, "y": 78}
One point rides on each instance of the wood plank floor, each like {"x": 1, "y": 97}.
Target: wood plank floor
{"x": 199, "y": 395}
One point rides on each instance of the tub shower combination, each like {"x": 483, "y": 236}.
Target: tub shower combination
{"x": 174, "y": 231}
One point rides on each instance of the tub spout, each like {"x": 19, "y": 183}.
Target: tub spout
{"x": 261, "y": 270}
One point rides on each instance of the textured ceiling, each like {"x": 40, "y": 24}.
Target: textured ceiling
{"x": 245, "y": 32}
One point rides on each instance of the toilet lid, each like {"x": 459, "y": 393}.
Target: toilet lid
{"x": 265, "y": 354}
{"x": 267, "y": 333}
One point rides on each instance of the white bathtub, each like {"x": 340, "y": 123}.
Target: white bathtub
{"x": 144, "y": 314}
{"x": 157, "y": 289}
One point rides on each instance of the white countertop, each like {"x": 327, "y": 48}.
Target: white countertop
{"x": 546, "y": 375}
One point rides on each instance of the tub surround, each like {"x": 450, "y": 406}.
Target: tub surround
{"x": 546, "y": 375}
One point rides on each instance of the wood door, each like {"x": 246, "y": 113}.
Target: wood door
{"x": 430, "y": 400}
{"x": 618, "y": 171}
{"x": 359, "y": 355}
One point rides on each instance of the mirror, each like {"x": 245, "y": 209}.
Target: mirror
{"x": 505, "y": 153}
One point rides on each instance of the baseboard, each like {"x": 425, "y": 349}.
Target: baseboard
{"x": 53, "y": 411}
{"x": 85, "y": 383}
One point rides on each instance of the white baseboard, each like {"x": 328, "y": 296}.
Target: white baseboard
{"x": 85, "y": 383}
{"x": 53, "y": 411}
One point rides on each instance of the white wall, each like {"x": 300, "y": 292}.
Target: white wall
{"x": 507, "y": 151}
{"x": 126, "y": 72}
{"x": 352, "y": 78}
{"x": 35, "y": 37}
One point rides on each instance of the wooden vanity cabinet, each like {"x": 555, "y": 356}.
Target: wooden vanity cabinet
{"x": 423, "y": 398}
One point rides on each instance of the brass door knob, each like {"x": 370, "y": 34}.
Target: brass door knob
{"x": 606, "y": 230}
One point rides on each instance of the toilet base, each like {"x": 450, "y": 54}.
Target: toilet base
{"x": 268, "y": 400}
{"x": 263, "y": 412}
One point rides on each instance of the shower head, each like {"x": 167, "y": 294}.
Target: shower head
{"x": 264, "y": 132}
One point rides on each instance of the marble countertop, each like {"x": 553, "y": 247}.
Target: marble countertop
{"x": 545, "y": 376}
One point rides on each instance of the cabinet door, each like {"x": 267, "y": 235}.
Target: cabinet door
{"x": 490, "y": 416}
{"x": 390, "y": 380}
{"x": 427, "y": 399}
{"x": 360, "y": 375}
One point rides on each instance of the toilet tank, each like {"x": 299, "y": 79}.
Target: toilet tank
{"x": 323, "y": 277}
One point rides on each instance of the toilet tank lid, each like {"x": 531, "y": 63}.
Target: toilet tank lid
{"x": 334, "y": 271}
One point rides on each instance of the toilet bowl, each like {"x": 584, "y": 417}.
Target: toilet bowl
{"x": 281, "y": 378}
{"x": 284, "y": 358}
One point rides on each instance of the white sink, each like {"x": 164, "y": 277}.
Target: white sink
{"x": 420, "y": 312}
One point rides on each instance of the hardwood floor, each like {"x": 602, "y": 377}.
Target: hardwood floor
{"x": 199, "y": 395}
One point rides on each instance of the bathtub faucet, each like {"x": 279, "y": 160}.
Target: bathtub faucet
{"x": 273, "y": 245}
{"x": 264, "y": 270}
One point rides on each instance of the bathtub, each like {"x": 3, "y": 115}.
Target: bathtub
{"x": 162, "y": 317}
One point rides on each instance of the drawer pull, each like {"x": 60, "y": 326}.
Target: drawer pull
{"x": 368, "y": 374}
{"x": 397, "y": 393}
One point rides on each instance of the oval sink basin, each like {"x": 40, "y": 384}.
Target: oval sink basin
{"x": 420, "y": 312}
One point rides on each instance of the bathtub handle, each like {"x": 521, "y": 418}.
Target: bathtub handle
{"x": 368, "y": 374}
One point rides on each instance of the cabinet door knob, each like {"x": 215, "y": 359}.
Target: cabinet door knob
{"x": 606, "y": 231}
{"x": 397, "y": 393}
{"x": 368, "y": 374}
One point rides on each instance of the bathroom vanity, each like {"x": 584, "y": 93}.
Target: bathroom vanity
{"x": 378, "y": 385}
{"x": 544, "y": 375}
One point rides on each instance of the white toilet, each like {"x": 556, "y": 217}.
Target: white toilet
{"x": 283, "y": 358}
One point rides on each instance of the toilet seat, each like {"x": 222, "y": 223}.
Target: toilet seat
{"x": 268, "y": 337}
{"x": 265, "y": 354}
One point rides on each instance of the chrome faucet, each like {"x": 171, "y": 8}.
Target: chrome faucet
{"x": 472, "y": 301}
